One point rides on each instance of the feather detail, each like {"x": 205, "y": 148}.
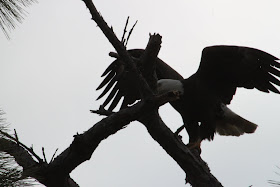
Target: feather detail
{"x": 232, "y": 124}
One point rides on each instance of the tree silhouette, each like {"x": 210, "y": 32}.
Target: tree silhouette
{"x": 56, "y": 172}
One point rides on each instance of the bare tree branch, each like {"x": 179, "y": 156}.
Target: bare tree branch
{"x": 155, "y": 126}
{"x": 21, "y": 155}
{"x": 101, "y": 111}
{"x": 124, "y": 30}
{"x": 129, "y": 34}
{"x": 118, "y": 45}
{"x": 197, "y": 171}
{"x": 54, "y": 155}
{"x": 30, "y": 150}
{"x": 31, "y": 168}
{"x": 56, "y": 173}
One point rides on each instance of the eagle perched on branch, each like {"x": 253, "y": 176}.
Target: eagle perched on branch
{"x": 204, "y": 96}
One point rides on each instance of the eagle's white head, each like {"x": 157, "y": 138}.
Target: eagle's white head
{"x": 167, "y": 85}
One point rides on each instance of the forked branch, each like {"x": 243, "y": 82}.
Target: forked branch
{"x": 119, "y": 47}
{"x": 198, "y": 172}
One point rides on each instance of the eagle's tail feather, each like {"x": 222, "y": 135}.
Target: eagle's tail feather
{"x": 232, "y": 124}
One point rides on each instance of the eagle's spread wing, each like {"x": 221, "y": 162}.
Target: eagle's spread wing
{"x": 224, "y": 68}
{"x": 121, "y": 81}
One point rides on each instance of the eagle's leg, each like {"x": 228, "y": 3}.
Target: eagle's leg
{"x": 195, "y": 146}
{"x": 194, "y": 136}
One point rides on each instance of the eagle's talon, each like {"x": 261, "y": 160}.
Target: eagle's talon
{"x": 194, "y": 146}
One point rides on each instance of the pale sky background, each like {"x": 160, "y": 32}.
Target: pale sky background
{"x": 53, "y": 62}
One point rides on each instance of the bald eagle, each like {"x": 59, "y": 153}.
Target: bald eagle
{"x": 204, "y": 96}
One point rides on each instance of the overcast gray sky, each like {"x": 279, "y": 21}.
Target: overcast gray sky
{"x": 53, "y": 62}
